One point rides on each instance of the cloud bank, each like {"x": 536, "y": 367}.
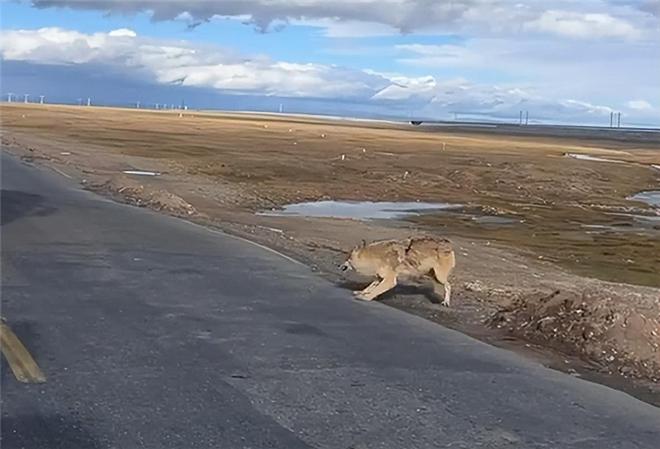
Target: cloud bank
{"x": 183, "y": 63}
{"x": 579, "y": 19}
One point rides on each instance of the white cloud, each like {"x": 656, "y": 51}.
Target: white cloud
{"x": 607, "y": 72}
{"x": 180, "y": 62}
{"x": 335, "y": 28}
{"x": 408, "y": 89}
{"x": 583, "y": 25}
{"x": 639, "y": 105}
{"x": 122, "y": 32}
{"x": 466, "y": 98}
{"x": 445, "y": 55}
{"x": 584, "y": 19}
{"x": 651, "y": 6}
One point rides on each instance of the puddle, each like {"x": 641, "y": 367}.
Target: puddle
{"x": 141, "y": 173}
{"x": 650, "y": 197}
{"x": 360, "y": 210}
{"x": 638, "y": 224}
{"x": 495, "y": 220}
{"x": 586, "y": 157}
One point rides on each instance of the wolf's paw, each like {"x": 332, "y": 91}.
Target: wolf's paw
{"x": 362, "y": 297}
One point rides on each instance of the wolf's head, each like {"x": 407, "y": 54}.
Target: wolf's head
{"x": 349, "y": 264}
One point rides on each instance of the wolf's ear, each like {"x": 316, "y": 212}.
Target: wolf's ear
{"x": 363, "y": 243}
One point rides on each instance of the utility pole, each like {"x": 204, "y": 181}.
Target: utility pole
{"x": 526, "y": 118}
{"x": 9, "y": 95}
{"x": 25, "y": 98}
{"x": 520, "y": 119}
{"x": 41, "y": 99}
{"x": 618, "y": 121}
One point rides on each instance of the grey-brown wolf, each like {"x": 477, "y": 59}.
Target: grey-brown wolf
{"x": 390, "y": 260}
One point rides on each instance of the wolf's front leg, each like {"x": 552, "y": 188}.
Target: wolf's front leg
{"x": 367, "y": 289}
{"x": 385, "y": 285}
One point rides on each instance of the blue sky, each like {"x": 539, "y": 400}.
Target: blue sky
{"x": 565, "y": 61}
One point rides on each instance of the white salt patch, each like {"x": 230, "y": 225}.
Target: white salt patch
{"x": 586, "y": 157}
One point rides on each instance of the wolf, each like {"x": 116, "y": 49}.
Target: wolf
{"x": 414, "y": 258}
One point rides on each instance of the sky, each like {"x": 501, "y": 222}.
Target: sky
{"x": 564, "y": 61}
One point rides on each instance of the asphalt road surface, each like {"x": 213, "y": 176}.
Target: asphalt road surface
{"x": 156, "y": 333}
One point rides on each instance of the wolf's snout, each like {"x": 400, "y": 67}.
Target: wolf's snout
{"x": 344, "y": 266}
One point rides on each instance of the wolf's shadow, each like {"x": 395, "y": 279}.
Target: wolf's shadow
{"x": 422, "y": 287}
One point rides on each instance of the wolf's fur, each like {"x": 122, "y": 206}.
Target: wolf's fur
{"x": 390, "y": 260}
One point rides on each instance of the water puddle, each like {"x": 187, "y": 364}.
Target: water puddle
{"x": 141, "y": 173}
{"x": 650, "y": 197}
{"x": 586, "y": 157}
{"x": 495, "y": 220}
{"x": 635, "y": 220}
{"x": 629, "y": 223}
{"x": 360, "y": 210}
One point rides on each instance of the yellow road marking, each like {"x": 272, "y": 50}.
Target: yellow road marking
{"x": 20, "y": 361}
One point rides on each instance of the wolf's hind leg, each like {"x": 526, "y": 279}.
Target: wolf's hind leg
{"x": 441, "y": 277}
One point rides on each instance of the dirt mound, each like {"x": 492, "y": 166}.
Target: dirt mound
{"x": 593, "y": 322}
{"x": 137, "y": 194}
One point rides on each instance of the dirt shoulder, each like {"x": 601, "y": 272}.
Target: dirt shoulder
{"x": 510, "y": 288}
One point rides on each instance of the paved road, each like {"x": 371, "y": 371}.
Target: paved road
{"x": 157, "y": 333}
